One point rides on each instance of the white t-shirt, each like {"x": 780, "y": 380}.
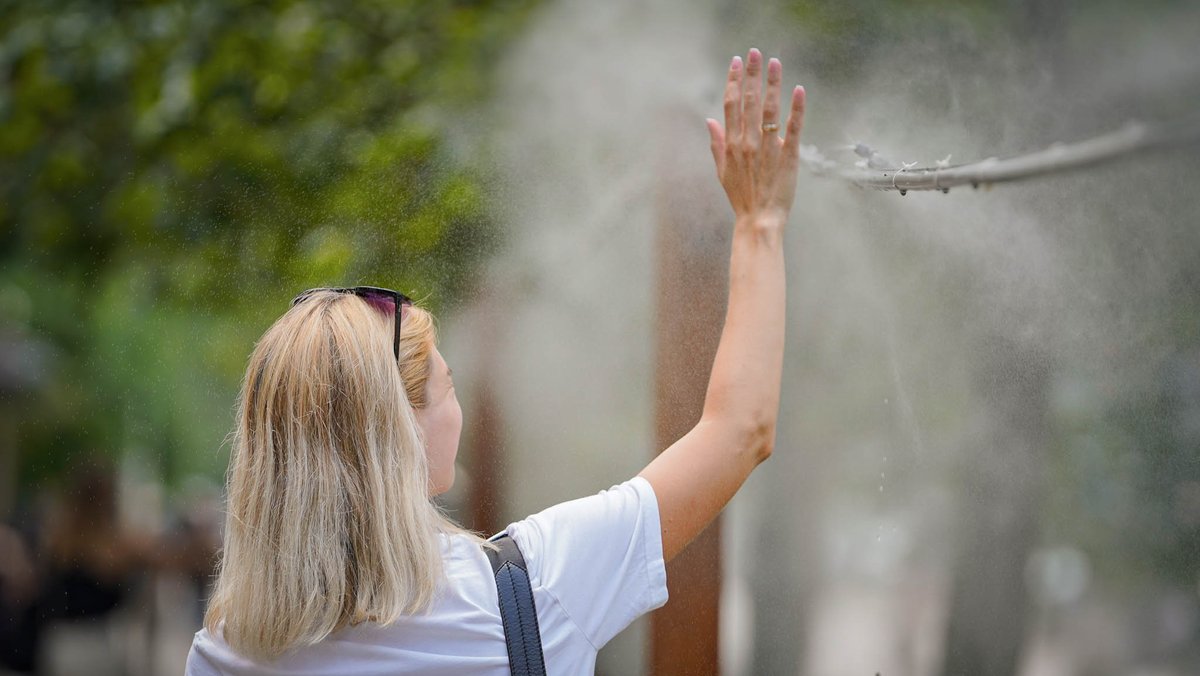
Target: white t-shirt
{"x": 595, "y": 563}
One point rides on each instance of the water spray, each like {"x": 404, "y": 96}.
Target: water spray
{"x": 877, "y": 172}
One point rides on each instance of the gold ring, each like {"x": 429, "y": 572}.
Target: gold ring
{"x": 770, "y": 126}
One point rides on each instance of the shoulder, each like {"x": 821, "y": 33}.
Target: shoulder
{"x": 599, "y": 557}
{"x": 631, "y": 497}
{"x": 584, "y": 535}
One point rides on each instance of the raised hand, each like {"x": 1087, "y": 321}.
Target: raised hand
{"x": 695, "y": 477}
{"x": 756, "y": 167}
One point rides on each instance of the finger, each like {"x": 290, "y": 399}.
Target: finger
{"x": 770, "y": 113}
{"x": 791, "y": 142}
{"x": 718, "y": 143}
{"x": 733, "y": 99}
{"x": 752, "y": 100}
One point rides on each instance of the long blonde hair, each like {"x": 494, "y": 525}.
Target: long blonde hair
{"x": 329, "y": 517}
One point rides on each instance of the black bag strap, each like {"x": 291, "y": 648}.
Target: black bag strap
{"x": 517, "y": 610}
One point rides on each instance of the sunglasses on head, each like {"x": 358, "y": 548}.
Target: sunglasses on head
{"x": 382, "y": 299}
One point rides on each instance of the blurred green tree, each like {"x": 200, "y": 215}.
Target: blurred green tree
{"x": 173, "y": 172}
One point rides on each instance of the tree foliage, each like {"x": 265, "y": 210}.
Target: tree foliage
{"x": 173, "y": 172}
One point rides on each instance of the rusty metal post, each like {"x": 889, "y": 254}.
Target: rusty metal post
{"x": 487, "y": 466}
{"x": 486, "y": 445}
{"x": 692, "y": 278}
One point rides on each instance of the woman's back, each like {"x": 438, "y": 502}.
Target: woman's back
{"x": 595, "y": 565}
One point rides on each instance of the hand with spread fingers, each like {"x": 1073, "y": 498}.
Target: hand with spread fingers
{"x": 756, "y": 167}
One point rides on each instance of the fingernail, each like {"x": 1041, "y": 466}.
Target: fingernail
{"x": 755, "y": 56}
{"x": 736, "y": 63}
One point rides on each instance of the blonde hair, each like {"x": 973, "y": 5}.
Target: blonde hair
{"x": 330, "y": 521}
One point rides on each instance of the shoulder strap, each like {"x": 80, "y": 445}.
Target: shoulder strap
{"x": 517, "y": 610}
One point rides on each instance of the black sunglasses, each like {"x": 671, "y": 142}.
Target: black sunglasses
{"x": 374, "y": 296}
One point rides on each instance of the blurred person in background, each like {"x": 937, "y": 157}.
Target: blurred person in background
{"x": 18, "y": 594}
{"x": 73, "y": 593}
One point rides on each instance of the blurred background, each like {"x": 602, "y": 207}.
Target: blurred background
{"x": 988, "y": 459}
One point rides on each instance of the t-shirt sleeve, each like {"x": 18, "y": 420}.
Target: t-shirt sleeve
{"x": 600, "y": 557}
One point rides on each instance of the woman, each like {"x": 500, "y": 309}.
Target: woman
{"x": 336, "y": 561}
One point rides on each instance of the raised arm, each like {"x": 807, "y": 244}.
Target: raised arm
{"x": 697, "y": 475}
